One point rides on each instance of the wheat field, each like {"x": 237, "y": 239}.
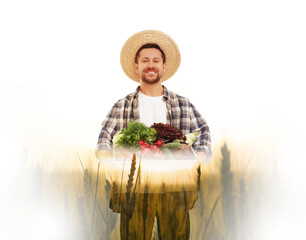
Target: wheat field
{"x": 234, "y": 201}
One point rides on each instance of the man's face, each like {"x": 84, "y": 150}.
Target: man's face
{"x": 150, "y": 66}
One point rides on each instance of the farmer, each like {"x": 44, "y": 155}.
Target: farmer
{"x": 150, "y": 58}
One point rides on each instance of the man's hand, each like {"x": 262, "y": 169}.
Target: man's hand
{"x": 202, "y": 156}
{"x": 104, "y": 154}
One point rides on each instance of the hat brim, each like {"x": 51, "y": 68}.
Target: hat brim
{"x": 132, "y": 45}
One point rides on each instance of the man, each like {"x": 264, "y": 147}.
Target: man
{"x": 150, "y": 58}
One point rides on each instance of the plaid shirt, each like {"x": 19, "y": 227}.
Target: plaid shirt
{"x": 180, "y": 114}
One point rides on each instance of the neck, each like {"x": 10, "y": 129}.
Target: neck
{"x": 154, "y": 90}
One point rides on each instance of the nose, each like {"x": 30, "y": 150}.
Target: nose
{"x": 150, "y": 64}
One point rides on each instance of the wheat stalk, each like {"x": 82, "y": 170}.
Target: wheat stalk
{"x": 134, "y": 191}
{"x": 107, "y": 189}
{"x": 84, "y": 226}
{"x": 200, "y": 189}
{"x": 228, "y": 198}
{"x": 139, "y": 174}
{"x": 87, "y": 181}
{"x": 113, "y": 199}
{"x": 200, "y": 201}
{"x": 242, "y": 203}
{"x": 128, "y": 193}
{"x": 100, "y": 210}
{"x": 121, "y": 183}
{"x": 199, "y": 176}
{"x": 111, "y": 218}
{"x": 95, "y": 202}
{"x": 131, "y": 178}
{"x": 144, "y": 211}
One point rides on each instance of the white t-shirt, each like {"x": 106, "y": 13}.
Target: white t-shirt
{"x": 152, "y": 109}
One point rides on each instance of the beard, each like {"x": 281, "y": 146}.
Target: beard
{"x": 151, "y": 82}
{"x": 148, "y": 80}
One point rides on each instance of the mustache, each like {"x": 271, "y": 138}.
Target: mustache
{"x": 150, "y": 68}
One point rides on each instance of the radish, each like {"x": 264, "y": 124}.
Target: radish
{"x": 158, "y": 143}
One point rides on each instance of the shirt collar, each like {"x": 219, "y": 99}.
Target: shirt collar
{"x": 166, "y": 93}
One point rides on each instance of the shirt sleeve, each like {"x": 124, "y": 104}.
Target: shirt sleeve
{"x": 108, "y": 130}
{"x": 199, "y": 125}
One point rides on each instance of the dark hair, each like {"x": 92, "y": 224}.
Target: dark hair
{"x": 150, "y": 45}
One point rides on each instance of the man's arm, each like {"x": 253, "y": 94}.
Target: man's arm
{"x": 105, "y": 144}
{"x": 202, "y": 144}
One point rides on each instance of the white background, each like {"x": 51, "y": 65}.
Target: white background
{"x": 243, "y": 67}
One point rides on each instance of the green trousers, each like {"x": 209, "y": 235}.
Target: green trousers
{"x": 138, "y": 212}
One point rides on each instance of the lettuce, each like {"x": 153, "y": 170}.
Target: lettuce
{"x": 191, "y": 137}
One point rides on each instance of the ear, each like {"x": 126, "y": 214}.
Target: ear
{"x": 164, "y": 65}
{"x": 136, "y": 68}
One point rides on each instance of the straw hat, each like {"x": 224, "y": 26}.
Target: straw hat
{"x": 167, "y": 44}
